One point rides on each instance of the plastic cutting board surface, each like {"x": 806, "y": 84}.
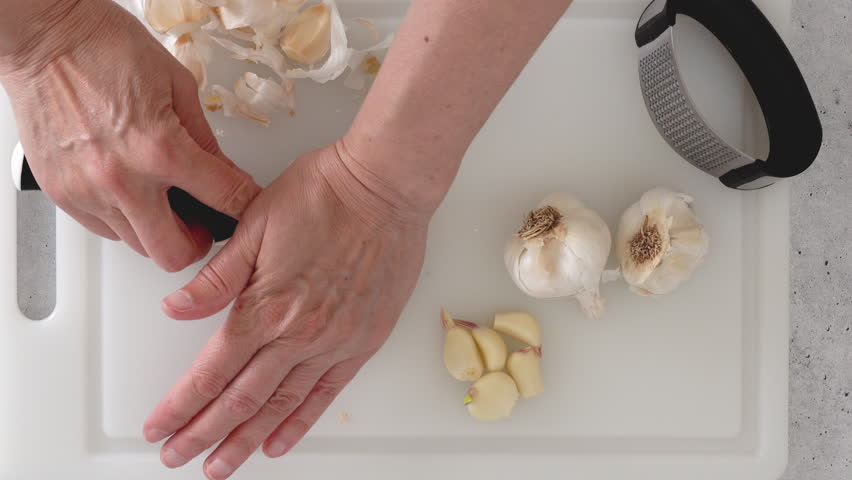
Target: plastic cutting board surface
{"x": 692, "y": 385}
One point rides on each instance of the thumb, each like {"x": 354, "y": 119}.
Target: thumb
{"x": 221, "y": 280}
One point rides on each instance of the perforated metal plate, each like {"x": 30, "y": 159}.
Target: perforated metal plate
{"x": 676, "y": 118}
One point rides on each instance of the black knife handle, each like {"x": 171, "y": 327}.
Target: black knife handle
{"x": 187, "y": 207}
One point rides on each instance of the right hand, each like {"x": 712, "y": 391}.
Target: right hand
{"x": 110, "y": 121}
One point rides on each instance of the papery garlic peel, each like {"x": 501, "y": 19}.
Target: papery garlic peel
{"x": 525, "y": 368}
{"x": 660, "y": 242}
{"x": 492, "y": 397}
{"x": 561, "y": 251}
{"x": 461, "y": 355}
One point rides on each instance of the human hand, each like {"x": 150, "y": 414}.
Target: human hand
{"x": 110, "y": 121}
{"x": 321, "y": 265}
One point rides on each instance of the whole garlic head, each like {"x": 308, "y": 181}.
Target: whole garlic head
{"x": 660, "y": 242}
{"x": 561, "y": 251}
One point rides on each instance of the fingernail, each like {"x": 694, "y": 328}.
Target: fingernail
{"x": 172, "y": 459}
{"x": 155, "y": 435}
{"x": 179, "y": 301}
{"x": 219, "y": 469}
{"x": 276, "y": 449}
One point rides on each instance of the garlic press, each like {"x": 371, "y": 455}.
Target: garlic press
{"x": 795, "y": 131}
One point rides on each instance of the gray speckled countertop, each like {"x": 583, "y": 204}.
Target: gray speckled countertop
{"x": 821, "y": 303}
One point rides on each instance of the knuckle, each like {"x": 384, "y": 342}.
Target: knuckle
{"x": 207, "y": 384}
{"x": 210, "y": 275}
{"x": 326, "y": 392}
{"x": 238, "y": 194}
{"x": 283, "y": 402}
{"x": 240, "y": 404}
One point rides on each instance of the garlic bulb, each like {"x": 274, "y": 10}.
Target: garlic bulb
{"x": 561, "y": 251}
{"x": 660, "y": 242}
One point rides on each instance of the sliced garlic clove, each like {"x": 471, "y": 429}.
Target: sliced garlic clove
{"x": 492, "y": 397}
{"x": 525, "y": 368}
{"x": 307, "y": 38}
{"x": 163, "y": 15}
{"x": 519, "y": 325}
{"x": 461, "y": 356}
{"x": 492, "y": 347}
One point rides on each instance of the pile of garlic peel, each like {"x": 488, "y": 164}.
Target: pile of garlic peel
{"x": 660, "y": 242}
{"x": 294, "y": 40}
{"x": 470, "y": 349}
{"x": 561, "y": 251}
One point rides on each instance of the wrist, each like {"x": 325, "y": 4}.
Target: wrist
{"x": 44, "y": 30}
{"x": 415, "y": 175}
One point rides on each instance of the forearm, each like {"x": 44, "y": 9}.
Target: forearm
{"x": 449, "y": 66}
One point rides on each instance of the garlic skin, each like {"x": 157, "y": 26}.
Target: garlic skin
{"x": 193, "y": 51}
{"x": 660, "y": 242}
{"x": 561, "y": 251}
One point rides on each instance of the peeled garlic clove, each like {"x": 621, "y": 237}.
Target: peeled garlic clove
{"x": 339, "y": 53}
{"x": 461, "y": 357}
{"x": 525, "y": 368}
{"x": 519, "y": 325}
{"x": 492, "y": 397}
{"x": 561, "y": 251}
{"x": 307, "y": 37}
{"x": 492, "y": 347}
{"x": 163, "y": 15}
{"x": 660, "y": 242}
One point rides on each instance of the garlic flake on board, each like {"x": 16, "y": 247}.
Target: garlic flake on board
{"x": 660, "y": 242}
{"x": 561, "y": 251}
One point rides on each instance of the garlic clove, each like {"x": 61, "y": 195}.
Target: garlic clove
{"x": 339, "y": 53}
{"x": 461, "y": 356}
{"x": 492, "y": 397}
{"x": 307, "y": 38}
{"x": 519, "y": 325}
{"x": 163, "y": 15}
{"x": 525, "y": 368}
{"x": 492, "y": 347}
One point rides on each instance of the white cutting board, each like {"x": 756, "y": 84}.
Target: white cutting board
{"x": 693, "y": 385}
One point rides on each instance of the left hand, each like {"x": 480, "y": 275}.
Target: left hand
{"x": 321, "y": 266}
